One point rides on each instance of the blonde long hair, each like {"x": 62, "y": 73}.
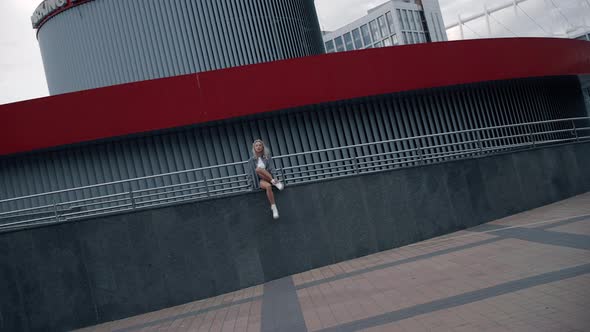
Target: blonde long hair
{"x": 265, "y": 152}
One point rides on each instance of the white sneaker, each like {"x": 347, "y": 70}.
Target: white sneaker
{"x": 275, "y": 211}
{"x": 278, "y": 184}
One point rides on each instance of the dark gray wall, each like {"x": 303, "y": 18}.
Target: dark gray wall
{"x": 84, "y": 273}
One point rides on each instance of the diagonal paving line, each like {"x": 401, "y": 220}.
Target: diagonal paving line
{"x": 492, "y": 228}
{"x": 564, "y": 239}
{"x": 462, "y": 299}
{"x": 187, "y": 314}
{"x": 281, "y": 310}
{"x": 576, "y": 241}
{"x": 395, "y": 263}
{"x": 566, "y": 222}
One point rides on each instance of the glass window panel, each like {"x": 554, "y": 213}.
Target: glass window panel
{"x": 379, "y": 44}
{"x": 374, "y": 30}
{"x": 366, "y": 35}
{"x": 411, "y": 20}
{"x": 329, "y": 46}
{"x": 387, "y": 42}
{"x": 410, "y": 38}
{"x": 356, "y": 38}
{"x": 348, "y": 42}
{"x": 422, "y": 37}
{"x": 405, "y": 17}
{"x": 389, "y": 19}
{"x": 418, "y": 21}
{"x": 405, "y": 38}
{"x": 395, "y": 40}
{"x": 399, "y": 18}
{"x": 416, "y": 38}
{"x": 339, "y": 44}
{"x": 382, "y": 26}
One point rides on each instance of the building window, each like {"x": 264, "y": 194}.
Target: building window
{"x": 399, "y": 18}
{"x": 389, "y": 19}
{"x": 356, "y": 38}
{"x": 329, "y": 46}
{"x": 348, "y": 42}
{"x": 394, "y": 39}
{"x": 339, "y": 44}
{"x": 366, "y": 35}
{"x": 422, "y": 37}
{"x": 418, "y": 21}
{"x": 405, "y": 38}
{"x": 405, "y": 17}
{"x": 379, "y": 44}
{"x": 374, "y": 30}
{"x": 387, "y": 42}
{"x": 411, "y": 19}
{"x": 382, "y": 26}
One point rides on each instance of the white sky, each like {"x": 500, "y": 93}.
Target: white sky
{"x": 21, "y": 69}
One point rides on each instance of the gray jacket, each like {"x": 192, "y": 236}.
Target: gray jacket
{"x": 268, "y": 163}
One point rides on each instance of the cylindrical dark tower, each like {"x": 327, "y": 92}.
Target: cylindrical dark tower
{"x": 89, "y": 44}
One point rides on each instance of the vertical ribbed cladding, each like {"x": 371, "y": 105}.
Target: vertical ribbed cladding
{"x": 107, "y": 42}
{"x": 314, "y": 127}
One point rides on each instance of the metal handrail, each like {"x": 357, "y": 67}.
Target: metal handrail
{"x": 125, "y": 181}
{"x": 417, "y": 150}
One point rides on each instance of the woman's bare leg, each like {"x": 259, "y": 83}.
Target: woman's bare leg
{"x": 264, "y": 174}
{"x": 265, "y": 185}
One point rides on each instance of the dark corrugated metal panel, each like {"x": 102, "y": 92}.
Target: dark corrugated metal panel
{"x": 313, "y": 127}
{"x": 107, "y": 42}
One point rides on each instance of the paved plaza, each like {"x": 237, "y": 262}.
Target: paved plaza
{"x": 526, "y": 272}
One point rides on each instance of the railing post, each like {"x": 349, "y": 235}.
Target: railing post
{"x": 55, "y": 210}
{"x": 206, "y": 186}
{"x": 575, "y": 131}
{"x": 421, "y": 155}
{"x": 531, "y": 138}
{"x": 420, "y": 152}
{"x": 131, "y": 197}
{"x": 479, "y": 144}
{"x": 355, "y": 164}
{"x": 250, "y": 181}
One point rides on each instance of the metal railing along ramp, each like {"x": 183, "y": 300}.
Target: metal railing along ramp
{"x": 305, "y": 167}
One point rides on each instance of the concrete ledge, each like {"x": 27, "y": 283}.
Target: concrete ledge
{"x": 85, "y": 273}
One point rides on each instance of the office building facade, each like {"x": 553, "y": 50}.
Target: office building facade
{"x": 396, "y": 22}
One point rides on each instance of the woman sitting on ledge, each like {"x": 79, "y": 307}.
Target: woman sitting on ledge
{"x": 262, "y": 165}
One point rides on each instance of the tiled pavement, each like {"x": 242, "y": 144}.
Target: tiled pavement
{"x": 527, "y": 272}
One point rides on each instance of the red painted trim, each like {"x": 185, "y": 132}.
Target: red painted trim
{"x": 222, "y": 94}
{"x": 70, "y": 5}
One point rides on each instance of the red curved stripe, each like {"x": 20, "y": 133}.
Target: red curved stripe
{"x": 184, "y": 100}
